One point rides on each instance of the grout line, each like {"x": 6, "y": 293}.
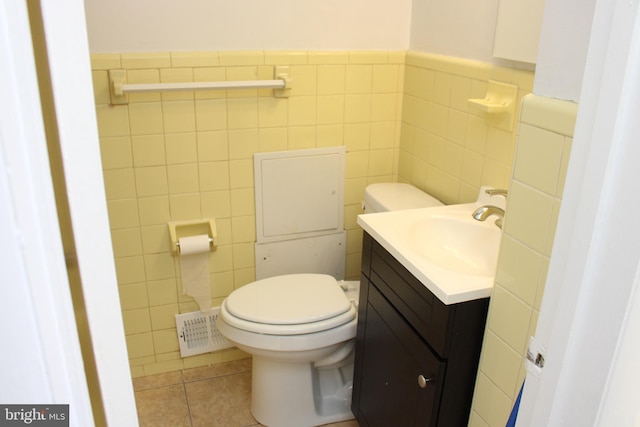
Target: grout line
{"x": 186, "y": 398}
{"x": 226, "y": 374}
{"x": 217, "y": 377}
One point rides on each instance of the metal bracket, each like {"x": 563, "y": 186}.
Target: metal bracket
{"x": 117, "y": 78}
{"x": 537, "y": 360}
{"x": 282, "y": 73}
{"x": 535, "y": 357}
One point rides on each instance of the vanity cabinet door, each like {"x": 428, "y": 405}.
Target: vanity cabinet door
{"x": 401, "y": 379}
{"x": 405, "y": 332}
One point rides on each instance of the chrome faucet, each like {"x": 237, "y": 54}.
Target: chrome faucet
{"x": 484, "y": 212}
{"x": 496, "y": 192}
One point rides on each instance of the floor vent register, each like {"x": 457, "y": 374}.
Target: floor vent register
{"x": 197, "y": 333}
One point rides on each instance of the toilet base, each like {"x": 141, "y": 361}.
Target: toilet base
{"x": 300, "y": 395}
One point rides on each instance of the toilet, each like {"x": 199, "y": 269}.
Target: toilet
{"x": 300, "y": 330}
{"x": 391, "y": 196}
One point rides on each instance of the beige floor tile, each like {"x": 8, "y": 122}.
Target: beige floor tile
{"x": 209, "y": 396}
{"x": 163, "y": 407}
{"x": 158, "y": 380}
{"x": 221, "y": 402}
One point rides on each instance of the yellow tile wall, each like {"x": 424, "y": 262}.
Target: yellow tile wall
{"x": 179, "y": 156}
{"x": 402, "y": 117}
{"x": 447, "y": 148}
{"x": 543, "y": 148}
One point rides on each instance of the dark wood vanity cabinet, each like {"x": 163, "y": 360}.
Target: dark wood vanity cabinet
{"x": 416, "y": 358}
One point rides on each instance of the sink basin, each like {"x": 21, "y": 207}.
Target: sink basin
{"x": 453, "y": 241}
{"x": 452, "y": 254}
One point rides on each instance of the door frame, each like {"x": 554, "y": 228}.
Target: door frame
{"x": 51, "y": 369}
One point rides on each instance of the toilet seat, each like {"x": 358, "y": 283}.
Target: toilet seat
{"x": 288, "y": 305}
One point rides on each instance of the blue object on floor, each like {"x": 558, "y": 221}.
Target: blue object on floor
{"x": 511, "y": 422}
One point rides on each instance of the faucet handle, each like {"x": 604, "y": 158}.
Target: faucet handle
{"x": 496, "y": 192}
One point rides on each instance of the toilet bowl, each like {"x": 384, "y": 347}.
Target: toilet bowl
{"x": 300, "y": 330}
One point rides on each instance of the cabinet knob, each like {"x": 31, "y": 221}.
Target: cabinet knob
{"x": 422, "y": 381}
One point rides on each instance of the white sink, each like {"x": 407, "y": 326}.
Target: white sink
{"x": 451, "y": 253}
{"x": 453, "y": 240}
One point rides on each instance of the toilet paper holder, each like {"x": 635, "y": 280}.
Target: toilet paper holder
{"x": 178, "y": 229}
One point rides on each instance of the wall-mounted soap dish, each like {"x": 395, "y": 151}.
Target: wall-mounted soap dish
{"x": 499, "y": 104}
{"x": 178, "y": 229}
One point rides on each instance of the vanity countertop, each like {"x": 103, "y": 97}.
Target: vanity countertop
{"x": 393, "y": 231}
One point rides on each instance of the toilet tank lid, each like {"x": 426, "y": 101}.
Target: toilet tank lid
{"x": 289, "y": 299}
{"x": 393, "y": 196}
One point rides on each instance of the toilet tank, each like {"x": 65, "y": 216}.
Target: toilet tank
{"x": 392, "y": 196}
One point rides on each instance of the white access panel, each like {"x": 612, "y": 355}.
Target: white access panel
{"x": 319, "y": 254}
{"x": 299, "y": 193}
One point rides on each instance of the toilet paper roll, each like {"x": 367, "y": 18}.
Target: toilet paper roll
{"x": 194, "y": 269}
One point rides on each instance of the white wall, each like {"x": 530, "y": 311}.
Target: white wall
{"x": 563, "y": 47}
{"x": 461, "y": 28}
{"x": 192, "y": 25}
{"x": 466, "y": 28}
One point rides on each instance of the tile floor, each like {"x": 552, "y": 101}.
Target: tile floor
{"x": 210, "y": 396}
